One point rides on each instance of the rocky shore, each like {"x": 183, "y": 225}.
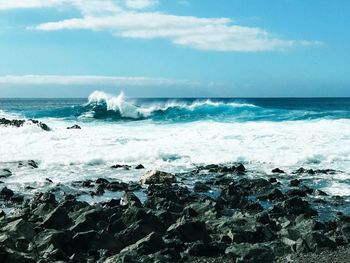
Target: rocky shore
{"x": 215, "y": 213}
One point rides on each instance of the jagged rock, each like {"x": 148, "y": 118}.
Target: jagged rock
{"x": 248, "y": 253}
{"x": 129, "y": 198}
{"x": 157, "y": 177}
{"x": 140, "y": 166}
{"x": 189, "y": 231}
{"x": 147, "y": 245}
{"x": 57, "y": 219}
{"x": 19, "y": 228}
{"x": 75, "y": 127}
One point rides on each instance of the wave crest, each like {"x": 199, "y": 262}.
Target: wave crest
{"x": 102, "y": 105}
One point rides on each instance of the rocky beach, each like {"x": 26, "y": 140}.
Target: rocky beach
{"x": 214, "y": 213}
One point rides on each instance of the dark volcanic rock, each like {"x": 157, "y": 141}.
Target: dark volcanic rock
{"x": 189, "y": 231}
{"x": 147, "y": 245}
{"x": 57, "y": 219}
{"x": 200, "y": 187}
{"x": 140, "y": 166}
{"x": 6, "y": 193}
{"x": 277, "y": 171}
{"x": 121, "y": 166}
{"x": 248, "y": 253}
{"x": 75, "y": 126}
{"x": 20, "y": 123}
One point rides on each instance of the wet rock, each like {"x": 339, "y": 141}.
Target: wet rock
{"x": 248, "y": 253}
{"x": 6, "y": 193}
{"x": 147, "y": 245}
{"x": 57, "y": 219}
{"x": 157, "y": 177}
{"x": 316, "y": 240}
{"x": 102, "y": 181}
{"x": 117, "y": 186}
{"x": 277, "y": 171}
{"x": 189, "y": 231}
{"x": 140, "y": 166}
{"x": 129, "y": 198}
{"x": 121, "y": 166}
{"x": 5, "y": 173}
{"x": 49, "y": 180}
{"x": 294, "y": 183}
{"x": 240, "y": 168}
{"x": 297, "y": 206}
{"x": 18, "y": 229}
{"x": 75, "y": 126}
{"x": 200, "y": 187}
{"x": 303, "y": 171}
{"x": 200, "y": 249}
{"x": 42, "y": 125}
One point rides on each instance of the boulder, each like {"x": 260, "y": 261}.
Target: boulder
{"x": 6, "y": 193}
{"x": 189, "y": 231}
{"x": 57, "y": 219}
{"x": 140, "y": 166}
{"x": 157, "y": 177}
{"x": 277, "y": 171}
{"x": 147, "y": 245}
{"x": 248, "y": 253}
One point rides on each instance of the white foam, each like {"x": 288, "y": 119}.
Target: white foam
{"x": 69, "y": 155}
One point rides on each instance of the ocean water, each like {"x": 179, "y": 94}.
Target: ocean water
{"x": 176, "y": 135}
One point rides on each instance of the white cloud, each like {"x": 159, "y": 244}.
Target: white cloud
{"x": 28, "y": 80}
{"x": 140, "y": 4}
{"x": 212, "y": 34}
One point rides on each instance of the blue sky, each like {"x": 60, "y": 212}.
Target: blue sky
{"x": 175, "y": 48}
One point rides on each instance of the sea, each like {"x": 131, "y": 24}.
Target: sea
{"x": 175, "y": 135}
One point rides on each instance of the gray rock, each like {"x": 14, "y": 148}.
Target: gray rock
{"x": 157, "y": 177}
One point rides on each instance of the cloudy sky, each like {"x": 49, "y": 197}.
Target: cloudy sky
{"x": 175, "y": 48}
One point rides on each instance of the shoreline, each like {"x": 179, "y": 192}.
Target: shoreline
{"x": 226, "y": 217}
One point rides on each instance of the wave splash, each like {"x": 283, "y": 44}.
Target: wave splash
{"x": 101, "y": 105}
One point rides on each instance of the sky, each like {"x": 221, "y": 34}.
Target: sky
{"x": 175, "y": 48}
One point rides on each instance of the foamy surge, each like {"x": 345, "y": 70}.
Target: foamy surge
{"x": 69, "y": 155}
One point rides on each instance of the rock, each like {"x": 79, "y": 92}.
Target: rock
{"x": 123, "y": 166}
{"x": 189, "y": 231}
{"x": 297, "y": 206}
{"x": 249, "y": 253}
{"x": 102, "y": 181}
{"x": 42, "y": 125}
{"x": 147, "y": 245}
{"x": 49, "y": 180}
{"x": 6, "y": 193}
{"x": 57, "y": 239}
{"x": 75, "y": 126}
{"x": 5, "y": 173}
{"x": 316, "y": 240}
{"x": 140, "y": 166}
{"x": 240, "y": 168}
{"x": 129, "y": 198}
{"x": 200, "y": 187}
{"x": 277, "y": 171}
{"x": 57, "y": 219}
{"x": 294, "y": 183}
{"x": 18, "y": 229}
{"x": 157, "y": 177}
{"x": 201, "y": 249}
